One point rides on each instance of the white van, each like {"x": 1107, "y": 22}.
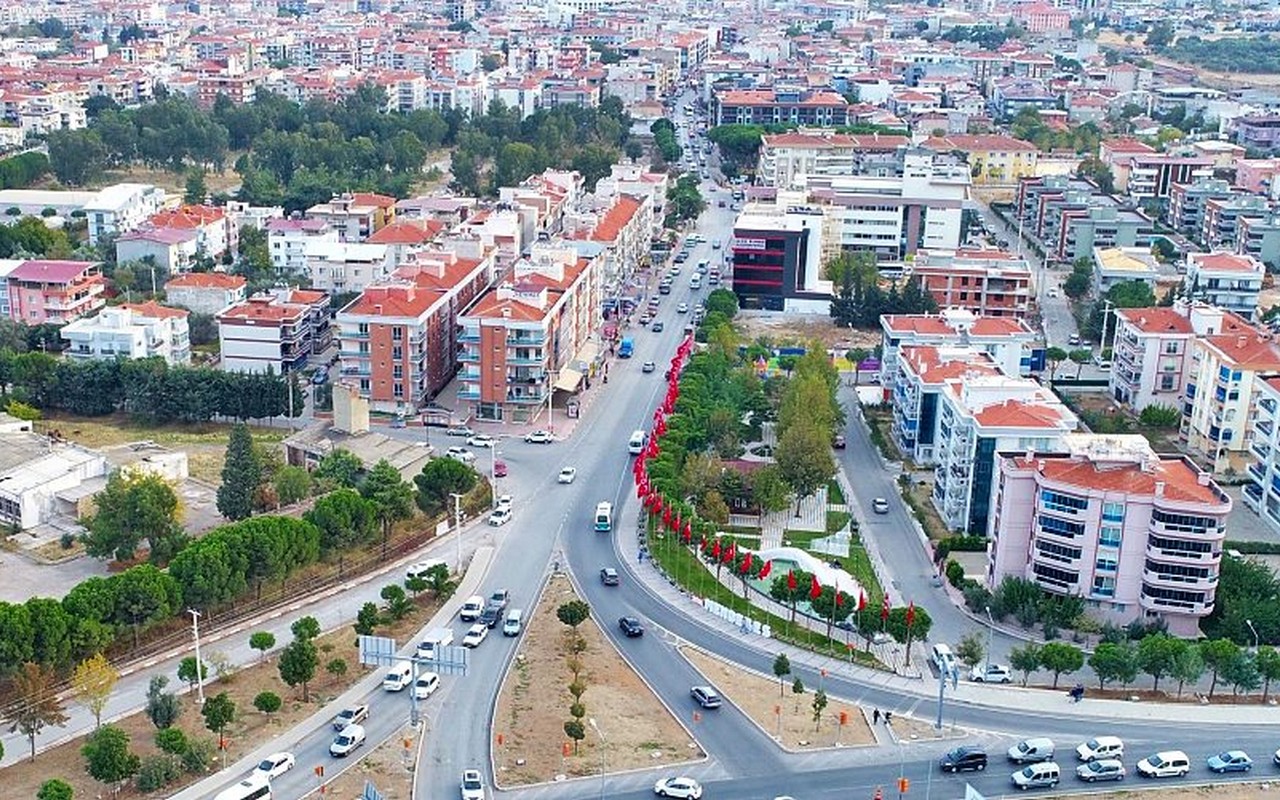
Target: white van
{"x": 1166, "y": 764}
{"x": 436, "y": 639}
{"x": 604, "y": 517}
{"x": 944, "y": 659}
{"x": 695, "y": 282}
{"x": 398, "y": 677}
{"x": 425, "y": 685}
{"x": 514, "y": 621}
{"x": 472, "y": 609}
{"x": 1029, "y": 750}
{"x": 1100, "y": 747}
{"x": 1036, "y": 776}
{"x": 635, "y": 445}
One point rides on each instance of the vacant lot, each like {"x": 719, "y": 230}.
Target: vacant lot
{"x": 533, "y": 705}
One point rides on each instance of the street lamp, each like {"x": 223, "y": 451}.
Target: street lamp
{"x": 195, "y": 631}
{"x": 991, "y": 633}
{"x": 603, "y": 742}
{"x": 457, "y": 525}
{"x": 1254, "y": 631}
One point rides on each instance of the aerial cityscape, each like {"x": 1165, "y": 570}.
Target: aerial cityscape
{"x": 755, "y": 400}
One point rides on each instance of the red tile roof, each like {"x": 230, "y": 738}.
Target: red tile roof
{"x": 617, "y": 218}
{"x": 1225, "y": 262}
{"x": 206, "y": 280}
{"x": 187, "y": 217}
{"x": 264, "y": 310}
{"x": 407, "y": 231}
{"x": 1020, "y": 414}
{"x": 1156, "y": 320}
{"x": 1181, "y": 481}
{"x": 153, "y": 309}
{"x": 987, "y": 142}
{"x": 394, "y": 300}
{"x": 1256, "y": 352}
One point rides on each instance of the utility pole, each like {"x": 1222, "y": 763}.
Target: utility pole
{"x": 991, "y": 633}
{"x": 457, "y": 526}
{"x": 493, "y": 475}
{"x": 603, "y": 742}
{"x": 943, "y": 674}
{"x": 195, "y": 630}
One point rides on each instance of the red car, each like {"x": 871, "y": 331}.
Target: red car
{"x": 499, "y": 469}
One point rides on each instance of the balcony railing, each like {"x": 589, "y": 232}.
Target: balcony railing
{"x": 1168, "y": 604}
{"x": 1179, "y": 581}
{"x": 1184, "y": 556}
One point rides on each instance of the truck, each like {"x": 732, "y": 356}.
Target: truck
{"x": 626, "y": 347}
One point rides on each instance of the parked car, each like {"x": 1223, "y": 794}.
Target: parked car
{"x": 990, "y": 673}
{"x": 567, "y": 475}
{"x": 1165, "y": 764}
{"x": 631, "y": 627}
{"x": 681, "y": 787}
{"x": 459, "y": 430}
{"x": 609, "y": 576}
{"x": 1100, "y": 747}
{"x": 461, "y": 454}
{"x": 350, "y": 716}
{"x": 1230, "y": 761}
{"x": 658, "y": 327}
{"x": 539, "y": 437}
{"x": 500, "y": 516}
{"x": 838, "y": 441}
{"x": 706, "y": 696}
{"x": 964, "y": 759}
{"x": 499, "y": 469}
{"x": 1104, "y": 769}
{"x": 481, "y": 440}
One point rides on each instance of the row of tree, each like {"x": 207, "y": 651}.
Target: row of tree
{"x": 148, "y": 388}
{"x": 20, "y": 171}
{"x": 860, "y": 300}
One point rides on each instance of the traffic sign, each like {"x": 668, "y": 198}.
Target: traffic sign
{"x": 371, "y": 792}
{"x": 377, "y": 650}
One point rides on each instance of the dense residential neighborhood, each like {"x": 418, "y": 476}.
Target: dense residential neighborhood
{"x": 923, "y": 356}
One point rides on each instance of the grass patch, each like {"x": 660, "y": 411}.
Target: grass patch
{"x": 802, "y": 539}
{"x": 744, "y": 530}
{"x": 689, "y": 572}
{"x": 836, "y": 520}
{"x": 858, "y": 564}
{"x": 835, "y": 495}
{"x": 917, "y": 498}
{"x": 879, "y": 422}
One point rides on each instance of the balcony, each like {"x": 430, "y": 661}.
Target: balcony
{"x": 469, "y": 393}
{"x": 469, "y": 375}
{"x": 535, "y": 361}
{"x": 527, "y": 398}
{"x": 468, "y": 336}
{"x": 469, "y": 357}
{"x": 1169, "y": 580}
{"x": 1183, "y": 556}
{"x": 1256, "y": 470}
{"x": 526, "y": 341}
{"x": 1152, "y": 603}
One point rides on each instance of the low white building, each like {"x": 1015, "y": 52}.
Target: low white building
{"x": 142, "y": 330}
{"x": 35, "y": 470}
{"x": 287, "y": 242}
{"x": 338, "y": 267}
{"x": 206, "y": 292}
{"x": 1115, "y": 265}
{"x": 122, "y": 208}
{"x": 1230, "y": 281}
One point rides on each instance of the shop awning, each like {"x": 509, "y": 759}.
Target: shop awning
{"x": 586, "y": 356}
{"x": 568, "y": 379}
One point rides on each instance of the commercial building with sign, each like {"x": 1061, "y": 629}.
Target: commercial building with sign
{"x": 776, "y": 259}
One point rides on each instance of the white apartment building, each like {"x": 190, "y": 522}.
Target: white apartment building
{"x": 337, "y": 267}
{"x": 787, "y": 159}
{"x": 287, "y": 243}
{"x": 1007, "y": 340}
{"x": 142, "y": 330}
{"x": 206, "y": 292}
{"x": 924, "y": 373}
{"x": 1151, "y": 351}
{"x": 264, "y": 333}
{"x": 7, "y": 265}
{"x": 1116, "y": 265}
{"x": 1229, "y": 281}
{"x": 1262, "y": 491}
{"x": 121, "y": 208}
{"x": 1225, "y": 373}
{"x": 979, "y": 418}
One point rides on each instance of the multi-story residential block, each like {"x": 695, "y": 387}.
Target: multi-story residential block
{"x": 287, "y": 242}
{"x": 787, "y": 158}
{"x": 1137, "y": 535}
{"x": 171, "y": 250}
{"x": 625, "y": 230}
{"x": 398, "y": 341}
{"x": 1259, "y": 176}
{"x": 1226, "y": 280}
{"x": 993, "y": 158}
{"x": 143, "y": 330}
{"x": 978, "y": 418}
{"x": 795, "y": 106}
{"x": 1186, "y": 210}
{"x": 214, "y": 233}
{"x": 206, "y": 292}
{"x": 1260, "y": 132}
{"x": 776, "y": 254}
{"x": 924, "y": 372}
{"x": 346, "y": 266}
{"x": 1080, "y": 231}
{"x": 635, "y": 180}
{"x": 1224, "y": 374}
{"x": 1145, "y": 174}
{"x": 991, "y": 283}
{"x": 405, "y": 237}
{"x": 355, "y": 215}
{"x": 1009, "y": 96}
{"x": 1008, "y": 341}
{"x": 1115, "y": 265}
{"x": 532, "y": 335}
{"x": 1151, "y": 350}
{"x": 7, "y": 265}
{"x": 121, "y": 208}
{"x": 1223, "y": 218}
{"x": 264, "y": 333}
{"x": 1262, "y": 489}
{"x": 1260, "y": 238}
{"x": 55, "y": 291}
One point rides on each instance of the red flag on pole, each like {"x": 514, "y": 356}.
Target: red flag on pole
{"x": 657, "y": 504}
{"x": 730, "y": 551}
{"x": 839, "y": 598}
{"x": 815, "y": 588}
{"x": 884, "y": 609}
{"x": 862, "y": 600}
{"x": 666, "y": 517}
{"x": 746, "y": 564}
{"x": 688, "y": 531}
{"x": 791, "y": 581}
{"x": 715, "y": 550}
{"x": 911, "y": 613}
{"x": 766, "y": 569}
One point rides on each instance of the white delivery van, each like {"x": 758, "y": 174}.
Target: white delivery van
{"x": 1036, "y": 776}
{"x": 635, "y": 445}
{"x": 511, "y": 626}
{"x": 1031, "y": 750}
{"x": 426, "y": 685}
{"x": 604, "y": 517}
{"x": 437, "y": 638}
{"x": 472, "y": 609}
{"x": 398, "y": 677}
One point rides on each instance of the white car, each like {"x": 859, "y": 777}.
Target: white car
{"x": 500, "y": 516}
{"x": 348, "y": 739}
{"x": 472, "y": 785}
{"x": 678, "y": 787}
{"x": 475, "y": 635}
{"x": 461, "y": 454}
{"x": 426, "y": 685}
{"x": 275, "y": 765}
{"x": 482, "y": 440}
{"x": 990, "y": 673}
{"x": 504, "y": 501}
{"x": 683, "y": 308}
{"x": 567, "y": 475}
{"x": 539, "y": 437}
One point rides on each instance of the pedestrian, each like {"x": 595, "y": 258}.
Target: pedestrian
{"x": 875, "y": 717}
{"x": 888, "y": 717}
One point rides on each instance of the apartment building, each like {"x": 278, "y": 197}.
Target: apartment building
{"x": 355, "y": 215}
{"x": 1260, "y": 132}
{"x": 121, "y": 208}
{"x": 214, "y": 233}
{"x": 1259, "y": 176}
{"x": 287, "y": 242}
{"x": 57, "y": 292}
{"x": 170, "y": 250}
{"x": 1151, "y": 349}
{"x": 924, "y": 372}
{"x": 1262, "y": 489}
{"x": 338, "y": 266}
{"x": 142, "y": 330}
{"x": 1229, "y": 281}
{"x": 1225, "y": 372}
{"x": 993, "y": 158}
{"x": 1139, "y": 536}
{"x": 1009, "y": 342}
{"x": 265, "y": 333}
{"x": 1260, "y": 238}
{"x": 624, "y": 229}
{"x": 991, "y": 283}
{"x": 7, "y": 265}
{"x": 1080, "y": 231}
{"x": 398, "y": 341}
{"x": 404, "y": 237}
{"x": 1223, "y": 219}
{"x": 206, "y": 292}
{"x": 1186, "y": 210}
{"x": 533, "y": 334}
{"x": 795, "y": 106}
{"x": 786, "y": 159}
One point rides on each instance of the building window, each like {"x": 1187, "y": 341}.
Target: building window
{"x": 1113, "y": 512}
{"x": 397, "y": 389}
{"x": 1104, "y": 587}
{"x": 1057, "y": 501}
{"x": 397, "y": 372}
{"x": 364, "y": 385}
{"x": 1110, "y": 536}
{"x": 397, "y": 353}
{"x": 363, "y": 329}
{"x": 1105, "y": 564}
{"x": 397, "y": 333}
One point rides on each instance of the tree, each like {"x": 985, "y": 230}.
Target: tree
{"x": 1054, "y": 356}
{"x": 293, "y": 485}
{"x": 1113, "y": 661}
{"x": 1060, "y": 657}
{"x": 440, "y": 583}
{"x": 1267, "y": 660}
{"x": 187, "y": 671}
{"x": 163, "y": 708}
{"x": 342, "y": 467}
{"x": 336, "y": 667}
{"x": 1080, "y": 357}
{"x": 93, "y": 681}
{"x": 1157, "y": 654}
{"x": 819, "y": 705}
{"x": 172, "y": 740}
{"x": 77, "y": 156}
{"x": 240, "y": 475}
{"x": 970, "y": 649}
{"x": 392, "y": 498}
{"x": 1097, "y": 171}
{"x": 132, "y": 507}
{"x": 768, "y": 490}
{"x": 36, "y": 702}
{"x": 267, "y": 702}
{"x": 722, "y": 301}
{"x": 262, "y": 641}
{"x": 1025, "y": 659}
{"x": 107, "y": 757}
{"x": 439, "y": 479}
{"x": 298, "y": 664}
{"x": 1187, "y": 668}
{"x": 416, "y": 584}
{"x": 305, "y": 628}
{"x": 573, "y": 613}
{"x": 55, "y": 789}
{"x": 804, "y": 459}
{"x": 218, "y": 712}
{"x": 1216, "y": 653}
{"x": 781, "y": 669}
{"x": 398, "y": 604}
{"x": 197, "y": 191}
{"x": 366, "y": 619}
{"x": 575, "y": 730}
{"x": 1241, "y": 671}
{"x": 1076, "y": 285}
{"x": 345, "y": 519}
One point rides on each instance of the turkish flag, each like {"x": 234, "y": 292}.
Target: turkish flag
{"x": 715, "y": 550}
{"x": 746, "y": 564}
{"x": 675, "y": 523}
{"x": 657, "y": 504}
{"x": 839, "y": 598}
{"x": 791, "y": 581}
{"x": 862, "y": 599}
{"x": 730, "y": 551}
{"x": 766, "y": 569}
{"x": 666, "y": 517}
{"x": 911, "y": 613}
{"x": 688, "y": 530}
{"x": 815, "y": 588}
{"x": 639, "y": 489}
{"x": 884, "y": 609}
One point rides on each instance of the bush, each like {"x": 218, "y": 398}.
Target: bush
{"x": 955, "y": 573}
{"x": 976, "y": 596}
{"x": 157, "y": 772}
{"x": 959, "y": 544}
{"x": 1111, "y": 633}
{"x": 197, "y": 756}
{"x": 171, "y": 740}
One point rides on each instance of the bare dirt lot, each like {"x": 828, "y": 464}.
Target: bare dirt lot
{"x": 786, "y": 716}
{"x": 799, "y": 329}
{"x": 1223, "y": 791}
{"x": 533, "y": 705}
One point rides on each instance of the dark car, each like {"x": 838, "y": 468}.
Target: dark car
{"x": 631, "y": 627}
{"x": 838, "y": 441}
{"x": 491, "y": 616}
{"x": 964, "y": 759}
{"x": 657, "y": 327}
{"x": 609, "y": 576}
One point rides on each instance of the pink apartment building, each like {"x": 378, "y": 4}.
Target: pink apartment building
{"x": 1137, "y": 535}
{"x": 55, "y": 291}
